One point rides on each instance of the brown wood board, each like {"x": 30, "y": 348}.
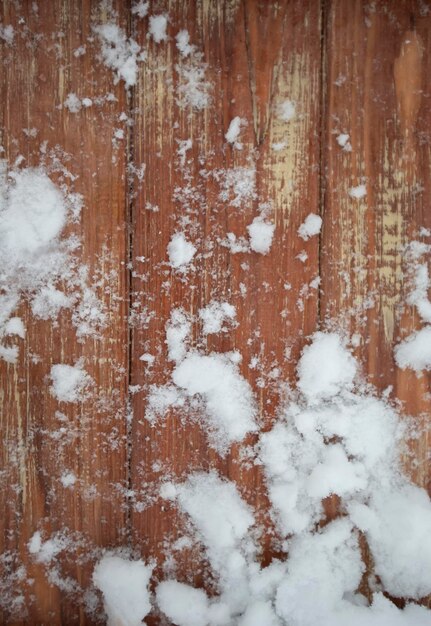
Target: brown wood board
{"x": 350, "y": 67}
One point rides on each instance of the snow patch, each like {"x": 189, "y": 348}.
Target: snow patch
{"x": 124, "y": 585}
{"x": 261, "y": 233}
{"x": 310, "y": 227}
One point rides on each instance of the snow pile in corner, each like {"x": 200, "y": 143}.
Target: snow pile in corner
{"x": 414, "y": 352}
{"x": 124, "y": 585}
{"x": 334, "y": 437}
{"x": 69, "y": 383}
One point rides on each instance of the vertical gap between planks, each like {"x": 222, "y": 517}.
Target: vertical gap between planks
{"x": 324, "y": 12}
{"x": 129, "y": 234}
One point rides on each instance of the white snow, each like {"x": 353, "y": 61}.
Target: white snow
{"x": 415, "y": 351}
{"x": 217, "y": 510}
{"x": 234, "y": 130}
{"x": 7, "y": 33}
{"x": 178, "y": 329}
{"x": 214, "y": 315}
{"x": 325, "y": 367}
{"x": 182, "y": 604}
{"x": 230, "y": 405}
{"x": 157, "y": 27}
{"x": 69, "y": 383}
{"x": 34, "y": 214}
{"x": 261, "y": 233}
{"x": 358, "y": 192}
{"x": 73, "y": 103}
{"x": 15, "y": 326}
{"x": 68, "y": 479}
{"x": 180, "y": 251}
{"x": 238, "y": 185}
{"x": 343, "y": 140}
{"x": 310, "y": 227}
{"x": 286, "y": 110}
{"x": 119, "y": 53}
{"x": 140, "y": 8}
{"x": 183, "y": 43}
{"x": 124, "y": 585}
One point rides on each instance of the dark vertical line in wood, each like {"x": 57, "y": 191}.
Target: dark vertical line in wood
{"x": 129, "y": 232}
{"x": 323, "y": 90}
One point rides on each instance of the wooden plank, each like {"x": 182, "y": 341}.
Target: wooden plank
{"x": 377, "y": 66}
{"x": 251, "y": 79}
{"x": 37, "y": 73}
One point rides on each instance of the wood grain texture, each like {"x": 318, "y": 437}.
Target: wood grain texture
{"x": 378, "y": 92}
{"x": 350, "y": 67}
{"x": 249, "y": 79}
{"x": 37, "y": 74}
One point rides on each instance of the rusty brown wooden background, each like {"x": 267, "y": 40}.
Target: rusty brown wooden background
{"x": 349, "y": 66}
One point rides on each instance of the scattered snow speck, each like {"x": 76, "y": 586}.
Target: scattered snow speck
{"x": 157, "y": 27}
{"x": 73, "y": 103}
{"x": 286, "y": 110}
{"x": 214, "y": 315}
{"x": 140, "y": 8}
{"x": 261, "y": 233}
{"x": 193, "y": 91}
{"x": 124, "y": 585}
{"x": 7, "y": 33}
{"x": 343, "y": 142}
{"x": 415, "y": 351}
{"x": 310, "y": 227}
{"x": 119, "y": 53}
{"x": 180, "y": 251}
{"x": 69, "y": 382}
{"x": 183, "y": 43}
{"x": 358, "y": 192}
{"x": 234, "y": 130}
{"x": 68, "y": 479}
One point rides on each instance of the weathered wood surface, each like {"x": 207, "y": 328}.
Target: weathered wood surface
{"x": 349, "y": 67}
